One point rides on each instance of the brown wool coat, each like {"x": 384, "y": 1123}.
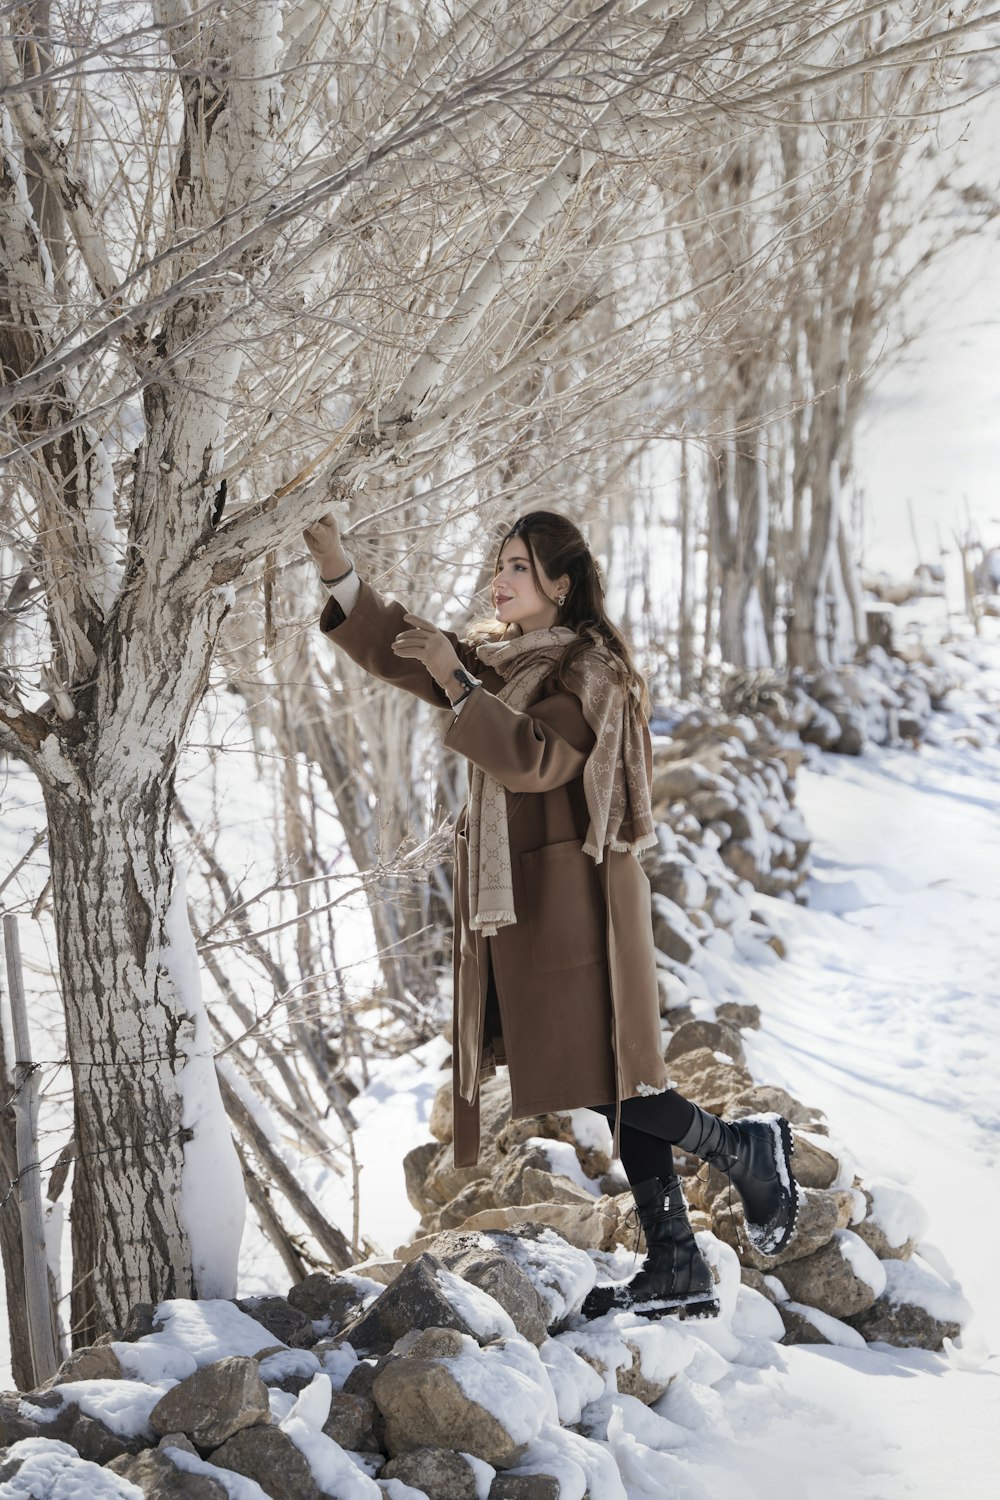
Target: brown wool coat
{"x": 575, "y": 975}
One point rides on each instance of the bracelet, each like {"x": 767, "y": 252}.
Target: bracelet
{"x": 468, "y": 681}
{"x": 332, "y": 582}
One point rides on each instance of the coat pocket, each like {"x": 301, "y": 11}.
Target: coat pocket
{"x": 565, "y": 912}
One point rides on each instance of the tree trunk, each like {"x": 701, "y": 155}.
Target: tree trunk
{"x": 739, "y": 517}
{"x": 157, "y": 1194}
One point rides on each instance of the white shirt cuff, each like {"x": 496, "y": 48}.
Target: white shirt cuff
{"x": 346, "y": 592}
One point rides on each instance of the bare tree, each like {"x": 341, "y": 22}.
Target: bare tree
{"x": 261, "y": 258}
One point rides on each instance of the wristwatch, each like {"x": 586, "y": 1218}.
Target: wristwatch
{"x": 468, "y": 683}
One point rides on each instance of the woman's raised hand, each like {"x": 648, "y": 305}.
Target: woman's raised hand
{"x": 425, "y": 643}
{"x": 327, "y": 550}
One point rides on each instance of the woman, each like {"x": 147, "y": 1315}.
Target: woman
{"x": 555, "y": 971}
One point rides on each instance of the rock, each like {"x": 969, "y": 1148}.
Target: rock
{"x": 525, "y": 1487}
{"x": 424, "y": 1405}
{"x": 289, "y": 1324}
{"x": 679, "y": 880}
{"x": 813, "y": 1166}
{"x": 268, "y": 1455}
{"x": 414, "y": 1300}
{"x": 477, "y": 1260}
{"x": 445, "y": 1181}
{"x": 215, "y": 1402}
{"x": 383, "y": 1269}
{"x": 759, "y": 1098}
{"x": 362, "y": 1377}
{"x": 798, "y": 1329}
{"x": 679, "y": 781}
{"x": 744, "y": 1016}
{"x": 708, "y": 805}
{"x": 322, "y": 1297}
{"x": 821, "y": 1214}
{"x": 853, "y": 734}
{"x": 757, "y": 1281}
{"x": 14, "y": 1427}
{"x": 673, "y": 932}
{"x": 159, "y": 1478}
{"x": 589, "y": 1226}
{"x": 508, "y": 1180}
{"x": 712, "y": 1084}
{"x": 354, "y": 1422}
{"x": 141, "y": 1322}
{"x": 874, "y": 1237}
{"x": 417, "y": 1167}
{"x": 634, "y": 1381}
{"x": 903, "y": 1324}
{"x": 439, "y": 1472}
{"x": 442, "y": 1121}
{"x": 715, "y": 1036}
{"x": 540, "y": 1186}
{"x": 96, "y": 1362}
{"x": 177, "y": 1440}
{"x": 827, "y": 1280}
{"x": 471, "y": 1200}
{"x": 822, "y": 729}
{"x": 90, "y": 1437}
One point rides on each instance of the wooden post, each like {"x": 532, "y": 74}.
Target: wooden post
{"x": 29, "y": 1187}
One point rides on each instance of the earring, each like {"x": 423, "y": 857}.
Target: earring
{"x": 561, "y": 600}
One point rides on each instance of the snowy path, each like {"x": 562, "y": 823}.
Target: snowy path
{"x": 886, "y": 1015}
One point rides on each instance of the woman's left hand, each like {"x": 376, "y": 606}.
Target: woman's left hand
{"x": 424, "y": 642}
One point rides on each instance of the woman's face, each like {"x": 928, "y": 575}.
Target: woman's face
{"x": 516, "y": 599}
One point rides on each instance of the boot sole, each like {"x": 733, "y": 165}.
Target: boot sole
{"x": 704, "y": 1307}
{"x": 784, "y": 1149}
{"x": 684, "y": 1311}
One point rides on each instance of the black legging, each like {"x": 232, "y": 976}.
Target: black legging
{"x": 649, "y": 1125}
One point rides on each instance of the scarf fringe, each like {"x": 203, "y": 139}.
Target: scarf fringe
{"x": 488, "y": 925}
{"x": 621, "y": 846}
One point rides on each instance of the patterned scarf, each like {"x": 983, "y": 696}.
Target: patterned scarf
{"x": 614, "y": 778}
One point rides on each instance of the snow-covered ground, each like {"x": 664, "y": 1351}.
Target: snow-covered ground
{"x": 886, "y": 1015}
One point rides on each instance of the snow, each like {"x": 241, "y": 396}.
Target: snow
{"x": 206, "y": 1331}
{"x": 397, "y": 1490}
{"x": 122, "y": 1405}
{"x": 754, "y": 1317}
{"x": 564, "y": 1161}
{"x": 581, "y": 1466}
{"x": 574, "y": 1382}
{"x": 332, "y": 1468}
{"x": 153, "y": 1362}
{"x": 482, "y": 1313}
{"x": 483, "y": 1475}
{"x": 915, "y": 1282}
{"x": 884, "y": 1016}
{"x": 508, "y": 1383}
{"x": 863, "y": 1262}
{"x": 338, "y": 1364}
{"x": 54, "y": 1471}
{"x": 832, "y": 1329}
{"x": 561, "y": 1274}
{"x": 213, "y": 1201}
{"x": 897, "y": 1213}
{"x": 237, "y": 1486}
{"x": 288, "y": 1362}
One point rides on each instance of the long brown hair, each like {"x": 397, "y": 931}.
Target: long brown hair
{"x": 560, "y": 547}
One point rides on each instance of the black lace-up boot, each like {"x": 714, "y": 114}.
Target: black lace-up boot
{"x": 675, "y": 1277}
{"x": 756, "y": 1156}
